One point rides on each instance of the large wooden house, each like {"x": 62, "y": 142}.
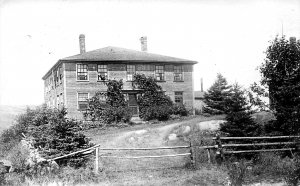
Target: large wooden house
{"x": 72, "y": 80}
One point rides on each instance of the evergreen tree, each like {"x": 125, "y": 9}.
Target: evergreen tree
{"x": 216, "y": 96}
{"x": 239, "y": 120}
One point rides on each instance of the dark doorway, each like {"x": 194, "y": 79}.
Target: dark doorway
{"x": 132, "y": 103}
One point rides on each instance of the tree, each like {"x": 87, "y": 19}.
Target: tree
{"x": 153, "y": 103}
{"x": 216, "y": 96}
{"x": 281, "y": 74}
{"x": 55, "y": 135}
{"x": 239, "y": 120}
{"x": 113, "y": 109}
{"x": 257, "y": 97}
{"x": 51, "y": 132}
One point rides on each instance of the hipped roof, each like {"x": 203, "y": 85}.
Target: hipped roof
{"x": 117, "y": 54}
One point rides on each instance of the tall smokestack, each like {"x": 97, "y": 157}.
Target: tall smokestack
{"x": 201, "y": 84}
{"x": 82, "y": 43}
{"x": 144, "y": 47}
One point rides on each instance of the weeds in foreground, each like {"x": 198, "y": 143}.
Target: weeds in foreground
{"x": 64, "y": 176}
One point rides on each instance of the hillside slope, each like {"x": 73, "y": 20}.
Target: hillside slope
{"x": 8, "y": 115}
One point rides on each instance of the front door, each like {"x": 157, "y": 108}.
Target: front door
{"x": 133, "y": 106}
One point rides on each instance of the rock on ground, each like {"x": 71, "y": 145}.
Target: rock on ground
{"x": 210, "y": 125}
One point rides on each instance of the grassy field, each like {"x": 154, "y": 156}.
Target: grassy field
{"x": 167, "y": 170}
{"x": 162, "y": 171}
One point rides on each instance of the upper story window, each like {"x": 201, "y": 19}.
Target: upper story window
{"x": 159, "y": 73}
{"x": 130, "y": 72}
{"x": 51, "y": 83}
{"x": 83, "y": 101}
{"x": 178, "y": 73}
{"x": 179, "y": 97}
{"x": 82, "y": 72}
{"x": 102, "y": 72}
{"x": 60, "y": 74}
{"x": 57, "y": 77}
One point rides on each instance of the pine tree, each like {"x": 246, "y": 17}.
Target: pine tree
{"x": 216, "y": 96}
{"x": 239, "y": 120}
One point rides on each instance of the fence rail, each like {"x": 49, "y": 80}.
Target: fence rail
{"x": 220, "y": 148}
{"x": 262, "y": 150}
{"x": 258, "y": 137}
{"x": 149, "y": 148}
{"x": 141, "y": 157}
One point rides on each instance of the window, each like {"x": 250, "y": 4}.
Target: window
{"x": 61, "y": 99}
{"x": 57, "y": 101}
{"x": 179, "y": 97}
{"x": 60, "y": 74}
{"x": 130, "y": 72}
{"x": 83, "y": 101}
{"x": 159, "y": 73}
{"x": 102, "y": 73}
{"x": 178, "y": 73}
{"x": 51, "y": 83}
{"x": 82, "y": 72}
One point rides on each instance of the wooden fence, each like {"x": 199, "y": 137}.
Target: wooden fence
{"x": 233, "y": 145}
{"x": 221, "y": 147}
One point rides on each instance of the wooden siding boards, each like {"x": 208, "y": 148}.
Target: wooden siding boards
{"x": 117, "y": 72}
{"x": 70, "y": 87}
{"x": 57, "y": 87}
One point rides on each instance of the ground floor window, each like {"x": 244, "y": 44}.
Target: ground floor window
{"x": 83, "y": 101}
{"x": 179, "y": 97}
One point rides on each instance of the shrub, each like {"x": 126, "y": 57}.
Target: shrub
{"x": 159, "y": 112}
{"x": 198, "y": 111}
{"x": 291, "y": 168}
{"x": 64, "y": 176}
{"x": 116, "y": 114}
{"x": 53, "y": 133}
{"x": 180, "y": 109}
{"x": 113, "y": 110}
{"x": 237, "y": 171}
{"x": 19, "y": 156}
{"x": 153, "y": 104}
{"x": 209, "y": 176}
{"x": 11, "y": 137}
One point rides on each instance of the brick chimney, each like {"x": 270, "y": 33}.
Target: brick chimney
{"x": 201, "y": 84}
{"x": 143, "y": 40}
{"x": 82, "y": 43}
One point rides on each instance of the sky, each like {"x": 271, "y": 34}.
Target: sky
{"x": 224, "y": 36}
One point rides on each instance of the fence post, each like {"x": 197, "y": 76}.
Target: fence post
{"x": 208, "y": 155}
{"x": 192, "y": 154}
{"x": 219, "y": 153}
{"x": 97, "y": 160}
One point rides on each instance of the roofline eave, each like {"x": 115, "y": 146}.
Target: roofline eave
{"x": 134, "y": 61}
